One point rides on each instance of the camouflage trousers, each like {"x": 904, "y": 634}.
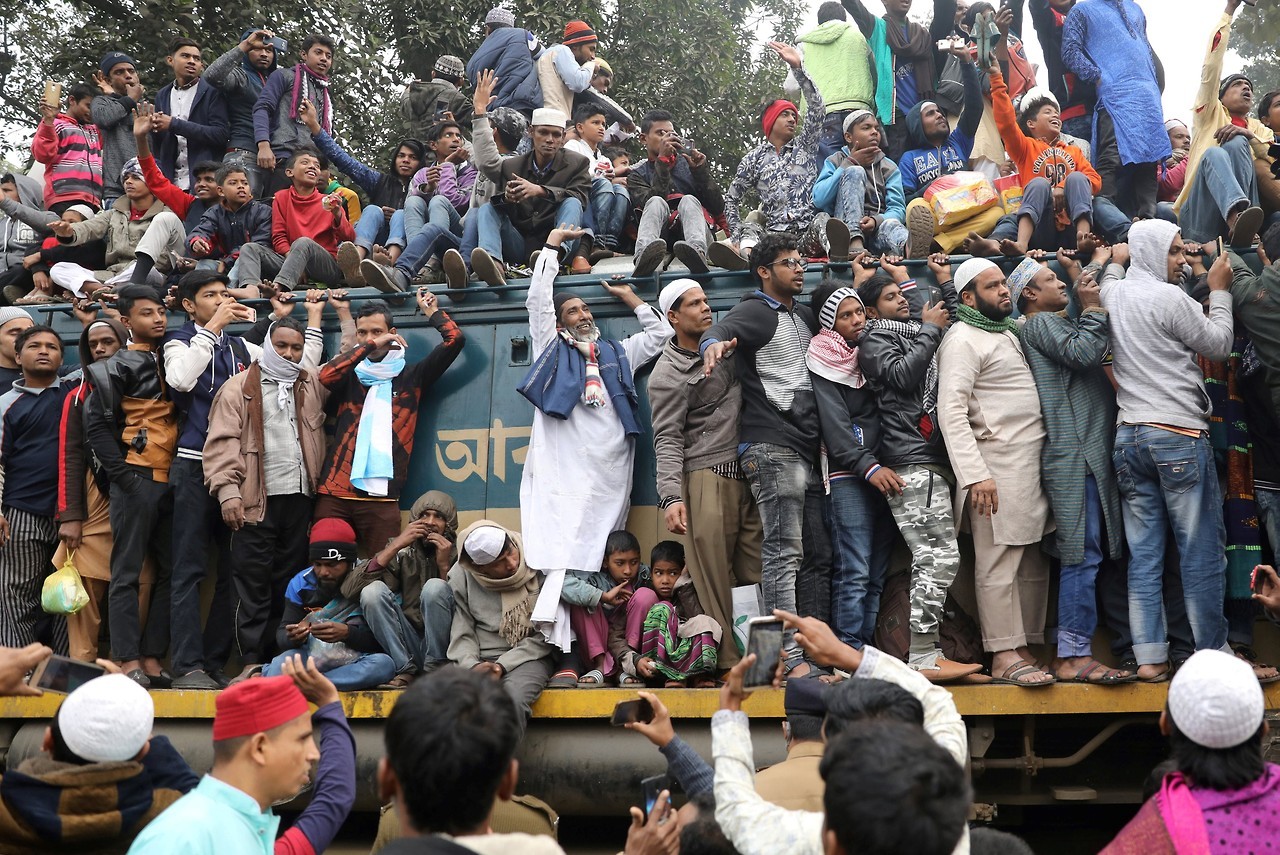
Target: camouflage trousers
{"x": 813, "y": 240}
{"x": 924, "y": 516}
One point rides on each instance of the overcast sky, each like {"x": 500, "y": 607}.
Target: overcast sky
{"x": 1178, "y": 30}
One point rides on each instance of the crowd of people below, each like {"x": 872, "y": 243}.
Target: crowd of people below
{"x": 1095, "y": 416}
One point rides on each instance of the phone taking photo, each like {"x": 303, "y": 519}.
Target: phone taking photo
{"x": 632, "y": 712}
{"x": 764, "y": 639}
{"x": 63, "y": 674}
{"x": 651, "y": 789}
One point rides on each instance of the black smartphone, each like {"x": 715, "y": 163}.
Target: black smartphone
{"x": 62, "y": 674}
{"x": 630, "y": 712}
{"x": 650, "y": 789}
{"x": 279, "y": 44}
{"x": 764, "y": 639}
{"x": 442, "y": 107}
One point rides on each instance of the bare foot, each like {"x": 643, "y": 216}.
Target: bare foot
{"x": 1086, "y": 243}
{"x": 1012, "y": 248}
{"x": 976, "y": 244}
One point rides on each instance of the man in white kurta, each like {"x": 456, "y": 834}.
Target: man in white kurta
{"x": 576, "y": 486}
{"x": 989, "y": 413}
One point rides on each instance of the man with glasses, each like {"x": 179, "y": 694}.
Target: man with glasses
{"x": 778, "y": 429}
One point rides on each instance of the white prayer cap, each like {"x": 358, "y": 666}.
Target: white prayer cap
{"x": 674, "y": 291}
{"x": 484, "y": 545}
{"x": 549, "y": 116}
{"x": 107, "y": 720}
{"x": 1021, "y": 277}
{"x": 1215, "y": 700}
{"x": 971, "y": 270}
{"x": 1036, "y": 92}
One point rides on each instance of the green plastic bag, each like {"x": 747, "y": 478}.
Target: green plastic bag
{"x": 63, "y": 592}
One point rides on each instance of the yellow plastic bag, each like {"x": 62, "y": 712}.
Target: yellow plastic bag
{"x": 956, "y": 197}
{"x": 63, "y": 592}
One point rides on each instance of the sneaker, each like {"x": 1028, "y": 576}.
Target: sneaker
{"x": 455, "y": 269}
{"x": 349, "y": 262}
{"x": 919, "y": 232}
{"x": 837, "y": 240}
{"x": 388, "y": 280}
{"x": 579, "y": 266}
{"x": 489, "y": 270}
{"x": 196, "y": 680}
{"x": 725, "y": 256}
{"x": 690, "y": 257}
{"x": 648, "y": 259}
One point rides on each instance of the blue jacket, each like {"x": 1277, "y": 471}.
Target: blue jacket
{"x": 207, "y": 130}
{"x": 511, "y": 53}
{"x": 554, "y": 383}
{"x": 922, "y": 163}
{"x": 29, "y": 426}
{"x": 230, "y": 357}
{"x": 884, "y": 196}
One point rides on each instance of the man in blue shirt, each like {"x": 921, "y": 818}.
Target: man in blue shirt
{"x": 30, "y": 413}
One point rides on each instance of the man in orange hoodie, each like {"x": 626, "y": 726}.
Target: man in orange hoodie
{"x": 1058, "y": 182}
{"x": 306, "y": 228}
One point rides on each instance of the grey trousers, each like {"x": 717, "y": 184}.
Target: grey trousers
{"x": 257, "y": 262}
{"x": 689, "y": 220}
{"x": 308, "y": 259}
{"x": 524, "y": 683}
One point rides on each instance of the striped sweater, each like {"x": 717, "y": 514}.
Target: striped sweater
{"x": 72, "y": 155}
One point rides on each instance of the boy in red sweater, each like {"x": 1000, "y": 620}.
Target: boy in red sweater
{"x": 306, "y": 228}
{"x": 1058, "y": 183}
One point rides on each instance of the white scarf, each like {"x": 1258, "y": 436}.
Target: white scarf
{"x": 278, "y": 369}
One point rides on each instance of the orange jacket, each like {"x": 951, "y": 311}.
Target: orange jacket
{"x": 1036, "y": 159}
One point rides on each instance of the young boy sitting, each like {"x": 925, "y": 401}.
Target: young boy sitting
{"x": 235, "y": 221}
{"x": 306, "y": 228}
{"x": 600, "y": 599}
{"x": 609, "y": 203}
{"x": 1058, "y": 183}
{"x": 861, "y": 189}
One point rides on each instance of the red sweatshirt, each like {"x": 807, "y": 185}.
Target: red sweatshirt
{"x": 294, "y": 216}
{"x": 178, "y": 200}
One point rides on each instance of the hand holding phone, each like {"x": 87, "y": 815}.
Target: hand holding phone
{"x": 631, "y": 712}
{"x": 764, "y": 639}
{"x": 651, "y": 790}
{"x": 64, "y": 674}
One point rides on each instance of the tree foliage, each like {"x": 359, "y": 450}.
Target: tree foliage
{"x": 1255, "y": 36}
{"x": 701, "y": 60}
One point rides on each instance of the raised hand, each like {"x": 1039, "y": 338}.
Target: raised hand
{"x": 786, "y": 52}
{"x": 484, "y": 91}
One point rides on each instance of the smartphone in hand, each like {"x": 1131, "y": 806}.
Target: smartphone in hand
{"x": 63, "y": 674}
{"x": 631, "y": 712}
{"x": 764, "y": 639}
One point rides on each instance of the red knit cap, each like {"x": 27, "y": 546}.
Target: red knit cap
{"x": 256, "y": 706}
{"x": 773, "y": 111}
{"x": 579, "y": 33}
{"x": 332, "y": 539}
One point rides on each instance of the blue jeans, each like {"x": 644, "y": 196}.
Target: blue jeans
{"x": 373, "y": 227}
{"x": 501, "y": 239}
{"x": 367, "y": 672}
{"x": 851, "y": 206}
{"x": 1225, "y": 180}
{"x": 610, "y": 204}
{"x": 410, "y": 650}
{"x": 1077, "y": 585}
{"x": 470, "y": 235}
{"x": 431, "y": 240}
{"x": 1169, "y": 481}
{"x": 436, "y": 210}
{"x": 831, "y": 139}
{"x": 862, "y": 536}
{"x": 778, "y": 477}
{"x": 1037, "y": 203}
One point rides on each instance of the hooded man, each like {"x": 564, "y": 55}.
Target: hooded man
{"x": 261, "y": 463}
{"x": 586, "y": 418}
{"x": 241, "y": 73}
{"x": 511, "y": 53}
{"x": 404, "y": 589}
{"x": 322, "y": 624}
{"x": 986, "y": 390}
{"x": 1220, "y": 186}
{"x": 1164, "y": 462}
{"x": 18, "y": 237}
{"x": 494, "y": 591}
{"x": 100, "y": 776}
{"x": 839, "y": 60}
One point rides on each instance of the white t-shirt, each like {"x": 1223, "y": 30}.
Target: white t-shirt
{"x": 600, "y": 163}
{"x": 180, "y": 103}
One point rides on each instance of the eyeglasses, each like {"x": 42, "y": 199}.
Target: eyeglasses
{"x": 789, "y": 263}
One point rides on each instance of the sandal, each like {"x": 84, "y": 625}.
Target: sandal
{"x": 593, "y": 679}
{"x": 35, "y": 298}
{"x": 398, "y": 682}
{"x": 628, "y": 681}
{"x": 1108, "y": 677}
{"x": 1162, "y": 677}
{"x": 564, "y": 679}
{"x": 1260, "y": 669}
{"x": 1022, "y": 668}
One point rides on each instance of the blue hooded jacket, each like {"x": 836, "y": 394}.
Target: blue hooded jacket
{"x": 511, "y": 53}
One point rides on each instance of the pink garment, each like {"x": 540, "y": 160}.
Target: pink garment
{"x": 642, "y": 599}
{"x": 1182, "y": 816}
{"x": 591, "y": 628}
{"x": 1241, "y": 821}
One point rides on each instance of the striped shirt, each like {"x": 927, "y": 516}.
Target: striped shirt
{"x": 72, "y": 155}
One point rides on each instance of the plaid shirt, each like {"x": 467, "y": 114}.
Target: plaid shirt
{"x": 783, "y": 180}
{"x": 348, "y": 394}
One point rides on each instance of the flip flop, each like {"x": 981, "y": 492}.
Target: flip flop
{"x": 1108, "y": 678}
{"x": 596, "y": 681}
{"x": 566, "y": 679}
{"x": 1020, "y": 668}
{"x": 627, "y": 681}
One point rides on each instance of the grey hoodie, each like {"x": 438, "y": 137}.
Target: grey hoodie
{"x": 1156, "y": 332}
{"x": 20, "y": 233}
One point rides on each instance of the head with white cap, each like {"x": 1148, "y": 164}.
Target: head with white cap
{"x": 861, "y": 130}
{"x": 839, "y": 309}
{"x": 982, "y": 286}
{"x": 1034, "y": 287}
{"x": 491, "y": 552}
{"x": 1179, "y": 134}
{"x": 547, "y": 129}
{"x": 13, "y": 320}
{"x": 107, "y": 720}
{"x": 1215, "y": 721}
{"x": 684, "y": 304}
{"x": 1039, "y": 116}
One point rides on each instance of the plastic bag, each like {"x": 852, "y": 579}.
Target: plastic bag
{"x": 1010, "y": 189}
{"x": 746, "y": 601}
{"x": 63, "y": 592}
{"x": 330, "y": 654}
{"x": 956, "y": 197}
